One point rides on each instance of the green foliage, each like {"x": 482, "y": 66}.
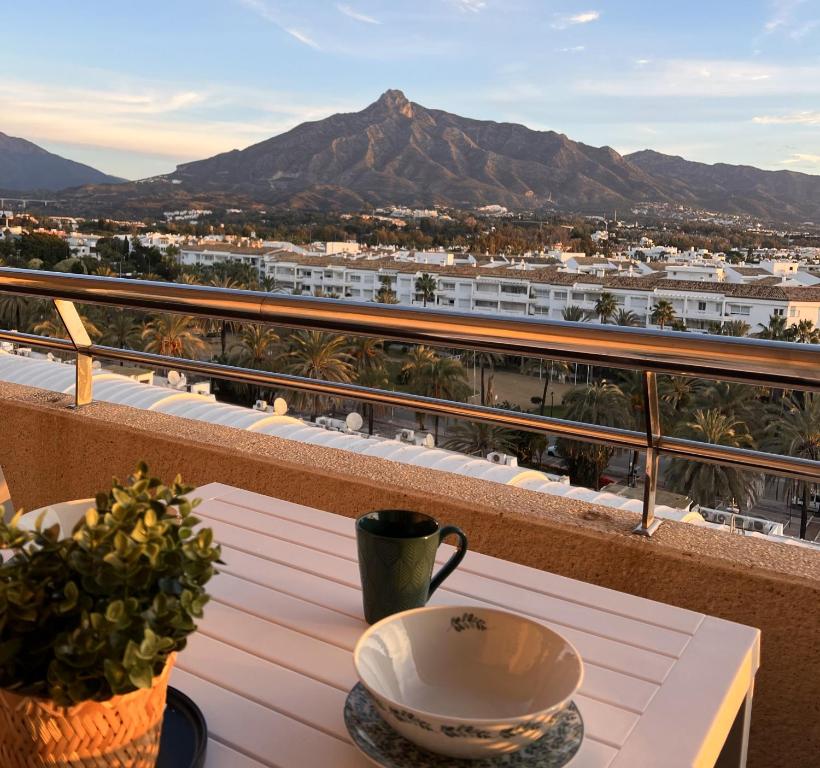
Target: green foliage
{"x": 97, "y": 613}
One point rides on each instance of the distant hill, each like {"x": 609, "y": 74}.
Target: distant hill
{"x": 26, "y": 167}
{"x": 397, "y": 151}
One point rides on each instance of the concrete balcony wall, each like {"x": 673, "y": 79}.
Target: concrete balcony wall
{"x": 51, "y": 453}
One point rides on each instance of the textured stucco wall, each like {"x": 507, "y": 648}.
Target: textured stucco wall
{"x": 51, "y": 453}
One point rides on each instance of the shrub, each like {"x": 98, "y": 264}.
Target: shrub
{"x": 97, "y": 613}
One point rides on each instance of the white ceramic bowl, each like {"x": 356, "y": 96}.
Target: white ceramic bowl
{"x": 467, "y": 682}
{"x": 66, "y": 514}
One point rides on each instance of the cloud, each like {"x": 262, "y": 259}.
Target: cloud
{"x": 796, "y": 118}
{"x": 562, "y": 22}
{"x": 708, "y": 78}
{"x": 643, "y": 62}
{"x": 573, "y": 49}
{"x": 346, "y": 10}
{"x": 802, "y": 159}
{"x": 153, "y": 119}
{"x": 272, "y": 15}
{"x": 470, "y": 6}
{"x": 786, "y": 19}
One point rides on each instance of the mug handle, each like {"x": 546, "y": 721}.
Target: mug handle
{"x": 454, "y": 561}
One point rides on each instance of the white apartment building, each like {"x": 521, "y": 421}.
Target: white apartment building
{"x": 503, "y": 290}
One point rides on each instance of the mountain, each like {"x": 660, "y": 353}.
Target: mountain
{"x": 734, "y": 188}
{"x": 401, "y": 152}
{"x": 398, "y": 152}
{"x": 26, "y": 167}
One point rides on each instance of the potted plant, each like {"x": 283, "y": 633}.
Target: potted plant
{"x": 90, "y": 624}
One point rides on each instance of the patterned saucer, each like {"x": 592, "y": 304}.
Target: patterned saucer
{"x": 388, "y": 749}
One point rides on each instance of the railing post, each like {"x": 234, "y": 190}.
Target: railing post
{"x": 649, "y": 524}
{"x": 82, "y": 342}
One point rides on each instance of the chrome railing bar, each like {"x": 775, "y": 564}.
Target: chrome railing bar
{"x": 649, "y": 524}
{"x": 618, "y": 438}
{"x": 786, "y": 466}
{"x": 766, "y": 363}
{"x": 32, "y": 339}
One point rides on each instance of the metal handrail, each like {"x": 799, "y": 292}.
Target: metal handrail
{"x": 764, "y": 363}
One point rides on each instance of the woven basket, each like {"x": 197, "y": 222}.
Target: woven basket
{"x": 122, "y": 732}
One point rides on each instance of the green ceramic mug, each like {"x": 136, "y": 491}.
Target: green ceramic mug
{"x": 397, "y": 551}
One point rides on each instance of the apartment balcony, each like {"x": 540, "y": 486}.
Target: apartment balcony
{"x": 58, "y": 447}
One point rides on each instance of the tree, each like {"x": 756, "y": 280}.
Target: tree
{"x": 53, "y": 326}
{"x": 223, "y": 326}
{"x": 805, "y": 333}
{"x": 735, "y": 328}
{"x": 573, "y": 314}
{"x": 412, "y": 371}
{"x": 627, "y": 317}
{"x": 174, "y": 335}
{"x": 794, "y": 429}
{"x": 486, "y": 360}
{"x": 663, "y": 313}
{"x": 18, "y": 313}
{"x": 375, "y": 378}
{"x": 776, "y": 329}
{"x": 426, "y": 287}
{"x": 255, "y": 348}
{"x": 121, "y": 330}
{"x": 386, "y": 294}
{"x": 318, "y": 355}
{"x": 604, "y": 404}
{"x": 367, "y": 353}
{"x": 707, "y": 484}
{"x": 476, "y": 438}
{"x": 443, "y": 377}
{"x": 605, "y": 307}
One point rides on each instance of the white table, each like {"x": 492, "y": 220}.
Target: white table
{"x": 271, "y": 664}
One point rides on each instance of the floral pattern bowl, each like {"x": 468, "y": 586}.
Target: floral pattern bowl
{"x": 467, "y": 682}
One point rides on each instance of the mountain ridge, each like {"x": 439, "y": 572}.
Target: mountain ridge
{"x": 25, "y": 167}
{"x": 396, "y": 151}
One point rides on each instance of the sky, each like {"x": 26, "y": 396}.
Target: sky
{"x": 136, "y": 88}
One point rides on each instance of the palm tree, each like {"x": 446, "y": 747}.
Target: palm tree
{"x": 776, "y": 329}
{"x": 796, "y": 432}
{"x": 105, "y": 271}
{"x": 223, "y": 326}
{"x": 386, "y": 294}
{"x": 486, "y": 360}
{"x": 18, "y": 313}
{"x": 255, "y": 348}
{"x": 53, "y": 326}
{"x": 412, "y": 371}
{"x": 805, "y": 332}
{"x": 707, "y": 484}
{"x": 734, "y": 400}
{"x": 375, "y": 378}
{"x": 573, "y": 314}
{"x": 121, "y": 330}
{"x": 627, "y": 318}
{"x": 367, "y": 353}
{"x": 605, "y": 307}
{"x": 735, "y": 328}
{"x": 443, "y": 377}
{"x": 175, "y": 335}
{"x": 479, "y": 439}
{"x": 604, "y": 404}
{"x": 426, "y": 287}
{"x": 663, "y": 313}
{"x": 318, "y": 355}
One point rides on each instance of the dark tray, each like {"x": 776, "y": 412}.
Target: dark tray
{"x": 184, "y": 737}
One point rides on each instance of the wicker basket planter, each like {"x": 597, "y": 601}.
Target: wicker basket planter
{"x": 122, "y": 732}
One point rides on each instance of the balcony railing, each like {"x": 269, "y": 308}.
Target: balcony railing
{"x": 753, "y": 361}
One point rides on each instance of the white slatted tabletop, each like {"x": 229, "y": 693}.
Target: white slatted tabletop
{"x": 271, "y": 663}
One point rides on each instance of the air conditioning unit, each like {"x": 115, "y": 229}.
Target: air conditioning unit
{"x": 502, "y": 458}
{"x": 24, "y": 351}
{"x": 260, "y": 405}
{"x": 406, "y": 436}
{"x": 323, "y": 421}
